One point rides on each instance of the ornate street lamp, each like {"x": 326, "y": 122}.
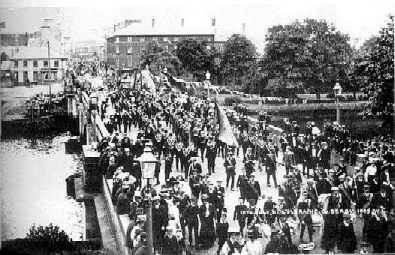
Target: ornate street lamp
{"x": 337, "y": 89}
{"x": 93, "y": 102}
{"x": 148, "y": 164}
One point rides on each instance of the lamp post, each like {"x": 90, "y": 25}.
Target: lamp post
{"x": 49, "y": 75}
{"x": 337, "y": 89}
{"x": 93, "y": 102}
{"x": 148, "y": 163}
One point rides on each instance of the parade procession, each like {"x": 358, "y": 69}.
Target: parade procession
{"x": 230, "y": 184}
{"x": 220, "y": 127}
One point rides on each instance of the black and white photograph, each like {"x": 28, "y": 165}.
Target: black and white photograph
{"x": 194, "y": 127}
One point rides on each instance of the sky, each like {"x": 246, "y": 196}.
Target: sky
{"x": 86, "y": 19}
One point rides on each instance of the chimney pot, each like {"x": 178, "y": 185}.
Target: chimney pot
{"x": 153, "y": 22}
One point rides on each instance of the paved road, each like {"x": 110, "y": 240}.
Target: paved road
{"x": 231, "y": 197}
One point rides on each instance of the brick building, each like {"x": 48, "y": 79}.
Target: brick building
{"x": 126, "y": 46}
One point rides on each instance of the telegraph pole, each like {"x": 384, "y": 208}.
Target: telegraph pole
{"x": 49, "y": 76}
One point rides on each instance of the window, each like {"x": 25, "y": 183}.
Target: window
{"x": 24, "y": 63}
{"x": 25, "y": 78}
{"x": 16, "y": 63}
{"x": 117, "y": 50}
{"x": 35, "y": 75}
{"x": 130, "y": 50}
{"x": 142, "y": 39}
{"x": 56, "y": 63}
{"x": 117, "y": 39}
{"x": 35, "y": 63}
{"x": 45, "y": 63}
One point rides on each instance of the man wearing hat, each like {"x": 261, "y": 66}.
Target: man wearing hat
{"x": 271, "y": 168}
{"x": 170, "y": 245}
{"x": 142, "y": 247}
{"x": 206, "y": 216}
{"x": 331, "y": 221}
{"x": 347, "y": 239}
{"x": 211, "y": 155}
{"x": 168, "y": 165}
{"x": 222, "y": 228}
{"x": 234, "y": 244}
{"x": 322, "y": 185}
{"x": 219, "y": 202}
{"x": 230, "y": 167}
{"x": 190, "y": 215}
{"x": 324, "y": 155}
{"x": 274, "y": 245}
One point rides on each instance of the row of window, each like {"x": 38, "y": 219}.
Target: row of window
{"x": 37, "y": 76}
{"x": 35, "y": 63}
{"x": 140, "y": 50}
{"x": 163, "y": 39}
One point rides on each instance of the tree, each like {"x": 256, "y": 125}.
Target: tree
{"x": 239, "y": 54}
{"x": 196, "y": 57}
{"x": 375, "y": 70}
{"x": 309, "y": 53}
{"x": 254, "y": 79}
{"x": 49, "y": 238}
{"x": 158, "y": 58}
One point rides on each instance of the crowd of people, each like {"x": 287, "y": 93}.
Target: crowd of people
{"x": 189, "y": 210}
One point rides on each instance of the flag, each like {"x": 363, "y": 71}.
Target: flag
{"x": 2, "y": 24}
{"x": 225, "y": 130}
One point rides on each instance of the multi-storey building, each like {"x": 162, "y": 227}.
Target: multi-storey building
{"x": 33, "y": 64}
{"x": 126, "y": 46}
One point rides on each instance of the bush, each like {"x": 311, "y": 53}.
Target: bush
{"x": 49, "y": 238}
{"x": 229, "y": 101}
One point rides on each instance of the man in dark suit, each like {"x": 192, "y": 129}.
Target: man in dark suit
{"x": 271, "y": 167}
{"x": 240, "y": 213}
{"x": 190, "y": 215}
{"x": 170, "y": 245}
{"x": 168, "y": 166}
{"x": 230, "y": 166}
{"x": 222, "y": 231}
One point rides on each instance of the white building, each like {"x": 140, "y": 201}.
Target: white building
{"x": 33, "y": 64}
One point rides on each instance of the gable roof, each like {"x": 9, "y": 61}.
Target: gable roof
{"x": 37, "y": 53}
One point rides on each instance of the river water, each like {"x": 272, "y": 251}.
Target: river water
{"x": 33, "y": 187}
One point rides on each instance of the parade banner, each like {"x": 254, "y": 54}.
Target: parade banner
{"x": 225, "y": 130}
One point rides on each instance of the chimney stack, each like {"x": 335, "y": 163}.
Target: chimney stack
{"x": 244, "y": 28}
{"x": 182, "y": 22}
{"x": 213, "y": 22}
{"x": 153, "y": 22}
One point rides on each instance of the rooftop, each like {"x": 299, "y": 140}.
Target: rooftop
{"x": 164, "y": 27}
{"x": 37, "y": 53}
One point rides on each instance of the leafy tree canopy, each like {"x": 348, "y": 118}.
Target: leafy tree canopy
{"x": 239, "y": 54}
{"x": 158, "y": 58}
{"x": 374, "y": 68}
{"x": 312, "y": 53}
{"x": 196, "y": 57}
